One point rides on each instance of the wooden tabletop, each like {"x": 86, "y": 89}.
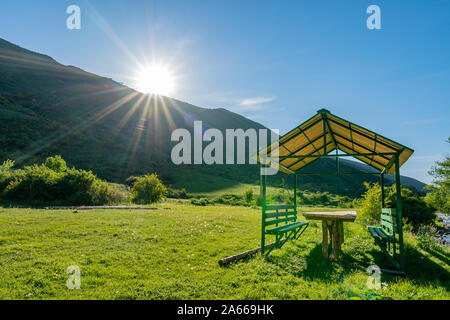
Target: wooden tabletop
{"x": 331, "y": 215}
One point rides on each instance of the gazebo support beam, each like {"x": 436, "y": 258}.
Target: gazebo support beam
{"x": 382, "y": 189}
{"x": 295, "y": 190}
{"x": 263, "y": 203}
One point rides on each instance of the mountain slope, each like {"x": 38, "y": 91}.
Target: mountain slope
{"x": 98, "y": 124}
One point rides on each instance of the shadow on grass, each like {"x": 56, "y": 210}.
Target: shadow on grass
{"x": 300, "y": 260}
{"x": 440, "y": 254}
{"x": 421, "y": 268}
{"x": 315, "y": 266}
{"x": 303, "y": 261}
{"x": 417, "y": 266}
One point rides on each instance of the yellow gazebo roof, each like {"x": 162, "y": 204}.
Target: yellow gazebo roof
{"x": 326, "y": 132}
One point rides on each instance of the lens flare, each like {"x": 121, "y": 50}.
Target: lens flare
{"x": 155, "y": 80}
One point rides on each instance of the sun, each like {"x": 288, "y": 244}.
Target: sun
{"x": 155, "y": 79}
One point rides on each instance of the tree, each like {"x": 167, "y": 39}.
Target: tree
{"x": 148, "y": 189}
{"x": 371, "y": 203}
{"x": 439, "y": 196}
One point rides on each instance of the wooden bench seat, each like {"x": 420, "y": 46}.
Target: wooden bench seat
{"x": 286, "y": 227}
{"x": 283, "y": 223}
{"x": 381, "y": 234}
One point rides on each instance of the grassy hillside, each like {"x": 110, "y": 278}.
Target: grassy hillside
{"x": 172, "y": 253}
{"x": 97, "y": 124}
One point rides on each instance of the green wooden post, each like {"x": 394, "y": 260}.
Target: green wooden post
{"x": 337, "y": 162}
{"x": 382, "y": 189}
{"x": 399, "y": 211}
{"x": 263, "y": 222}
{"x": 295, "y": 191}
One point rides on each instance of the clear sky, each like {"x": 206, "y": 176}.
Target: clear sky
{"x": 276, "y": 62}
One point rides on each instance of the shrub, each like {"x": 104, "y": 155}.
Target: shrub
{"x": 370, "y": 207}
{"x": 280, "y": 196}
{"x": 439, "y": 199}
{"x": 323, "y": 199}
{"x": 426, "y": 241}
{"x": 200, "y": 202}
{"x": 230, "y": 199}
{"x": 248, "y": 195}
{"x": 117, "y": 193}
{"x": 6, "y": 174}
{"x": 178, "y": 194}
{"x": 414, "y": 207}
{"x": 407, "y": 227}
{"x": 148, "y": 189}
{"x": 56, "y": 164}
{"x": 54, "y": 182}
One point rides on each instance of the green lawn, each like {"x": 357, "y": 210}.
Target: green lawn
{"x": 172, "y": 253}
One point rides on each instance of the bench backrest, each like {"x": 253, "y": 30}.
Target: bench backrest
{"x": 276, "y": 214}
{"x": 389, "y": 220}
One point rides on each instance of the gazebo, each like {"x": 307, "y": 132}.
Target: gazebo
{"x": 317, "y": 138}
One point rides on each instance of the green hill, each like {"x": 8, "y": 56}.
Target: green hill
{"x": 95, "y": 123}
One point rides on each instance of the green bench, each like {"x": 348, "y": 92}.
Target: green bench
{"x": 281, "y": 221}
{"x": 389, "y": 237}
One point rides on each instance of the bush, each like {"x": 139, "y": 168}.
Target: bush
{"x": 230, "y": 199}
{"x": 200, "y": 202}
{"x": 6, "y": 174}
{"x": 414, "y": 207}
{"x": 439, "y": 199}
{"x": 118, "y": 193}
{"x": 148, "y": 189}
{"x": 280, "y": 196}
{"x": 370, "y": 206}
{"x": 178, "y": 194}
{"x": 407, "y": 227}
{"x": 54, "y": 182}
{"x": 56, "y": 164}
{"x": 426, "y": 241}
{"x": 248, "y": 195}
{"x": 224, "y": 199}
{"x": 327, "y": 199}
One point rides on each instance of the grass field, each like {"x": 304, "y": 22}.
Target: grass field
{"x": 172, "y": 253}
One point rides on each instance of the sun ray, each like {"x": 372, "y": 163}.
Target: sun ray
{"x": 167, "y": 115}
{"x": 41, "y": 144}
{"x": 140, "y": 127}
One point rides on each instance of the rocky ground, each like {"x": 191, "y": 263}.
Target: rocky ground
{"x": 443, "y": 236}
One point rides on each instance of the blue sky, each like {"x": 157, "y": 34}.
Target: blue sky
{"x": 276, "y": 62}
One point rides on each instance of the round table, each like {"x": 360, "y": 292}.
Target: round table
{"x": 332, "y": 228}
